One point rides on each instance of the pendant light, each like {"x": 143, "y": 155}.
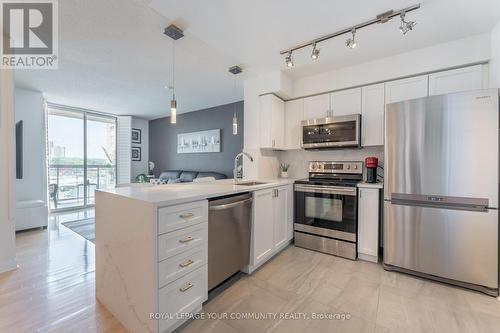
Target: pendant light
{"x": 173, "y": 102}
{"x": 175, "y": 33}
{"x": 235, "y": 124}
{"x": 235, "y": 70}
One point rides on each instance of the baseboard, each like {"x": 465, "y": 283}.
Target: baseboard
{"x": 8, "y": 265}
{"x": 367, "y": 257}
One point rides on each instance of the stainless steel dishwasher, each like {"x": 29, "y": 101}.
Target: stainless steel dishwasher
{"x": 229, "y": 220}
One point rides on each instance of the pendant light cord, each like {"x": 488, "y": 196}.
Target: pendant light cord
{"x": 234, "y": 90}
{"x": 173, "y": 69}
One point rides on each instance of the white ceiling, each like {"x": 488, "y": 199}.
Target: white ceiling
{"x": 115, "y": 58}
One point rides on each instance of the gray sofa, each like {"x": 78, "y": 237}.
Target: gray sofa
{"x": 182, "y": 176}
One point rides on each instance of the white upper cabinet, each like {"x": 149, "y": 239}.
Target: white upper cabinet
{"x": 455, "y": 80}
{"x": 272, "y": 119}
{"x": 294, "y": 114}
{"x": 400, "y": 90}
{"x": 345, "y": 102}
{"x": 372, "y": 115}
{"x": 317, "y": 106}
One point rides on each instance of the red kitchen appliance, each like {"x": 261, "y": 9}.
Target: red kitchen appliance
{"x": 371, "y": 169}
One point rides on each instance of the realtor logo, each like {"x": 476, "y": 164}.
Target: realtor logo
{"x": 33, "y": 31}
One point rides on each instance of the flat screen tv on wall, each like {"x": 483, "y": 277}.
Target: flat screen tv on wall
{"x": 19, "y": 150}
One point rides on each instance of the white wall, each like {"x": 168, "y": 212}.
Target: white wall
{"x": 495, "y": 57}
{"x": 456, "y": 53}
{"x": 7, "y": 173}
{"x": 124, "y": 147}
{"x": 28, "y": 107}
{"x": 142, "y": 166}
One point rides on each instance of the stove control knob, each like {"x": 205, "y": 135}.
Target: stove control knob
{"x": 348, "y": 166}
{"x": 355, "y": 166}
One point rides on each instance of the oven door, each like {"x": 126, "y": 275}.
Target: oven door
{"x": 326, "y": 211}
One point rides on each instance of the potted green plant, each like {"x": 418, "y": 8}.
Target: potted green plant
{"x": 284, "y": 169}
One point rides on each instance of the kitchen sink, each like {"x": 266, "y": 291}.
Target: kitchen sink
{"x": 252, "y": 183}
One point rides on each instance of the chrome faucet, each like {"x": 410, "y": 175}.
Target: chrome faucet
{"x": 237, "y": 171}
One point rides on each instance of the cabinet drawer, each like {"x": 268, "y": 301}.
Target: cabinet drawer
{"x": 181, "y": 216}
{"x": 172, "y": 268}
{"x": 183, "y": 296}
{"x": 181, "y": 240}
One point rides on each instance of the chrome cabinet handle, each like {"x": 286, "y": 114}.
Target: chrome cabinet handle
{"x": 186, "y": 287}
{"x": 187, "y": 263}
{"x": 186, "y": 240}
{"x": 186, "y": 215}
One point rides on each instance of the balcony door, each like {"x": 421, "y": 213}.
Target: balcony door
{"x": 81, "y": 156}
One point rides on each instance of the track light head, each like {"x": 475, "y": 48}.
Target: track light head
{"x": 351, "y": 42}
{"x": 289, "y": 59}
{"x": 315, "y": 52}
{"x": 406, "y": 25}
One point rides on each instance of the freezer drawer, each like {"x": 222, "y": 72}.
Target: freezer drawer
{"x": 453, "y": 244}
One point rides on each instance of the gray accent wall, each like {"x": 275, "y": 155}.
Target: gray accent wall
{"x": 163, "y": 140}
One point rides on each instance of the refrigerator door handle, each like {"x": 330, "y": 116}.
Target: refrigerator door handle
{"x": 442, "y": 202}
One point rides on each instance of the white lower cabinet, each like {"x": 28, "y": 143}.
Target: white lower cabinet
{"x": 183, "y": 296}
{"x": 368, "y": 223}
{"x": 263, "y": 228}
{"x": 173, "y": 268}
{"x": 182, "y": 251}
{"x": 272, "y": 227}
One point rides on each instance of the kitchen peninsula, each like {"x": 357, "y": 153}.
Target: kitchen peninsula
{"x": 152, "y": 246}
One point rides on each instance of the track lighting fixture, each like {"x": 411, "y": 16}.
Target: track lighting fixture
{"x": 315, "y": 52}
{"x": 351, "y": 42}
{"x": 289, "y": 59}
{"x": 406, "y": 25}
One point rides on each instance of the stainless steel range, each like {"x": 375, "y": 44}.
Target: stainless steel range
{"x": 326, "y": 208}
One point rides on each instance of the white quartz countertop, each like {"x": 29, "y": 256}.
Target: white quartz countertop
{"x": 173, "y": 194}
{"x": 371, "y": 185}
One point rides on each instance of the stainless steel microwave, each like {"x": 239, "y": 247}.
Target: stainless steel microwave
{"x": 332, "y": 132}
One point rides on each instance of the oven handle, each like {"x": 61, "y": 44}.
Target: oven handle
{"x": 325, "y": 189}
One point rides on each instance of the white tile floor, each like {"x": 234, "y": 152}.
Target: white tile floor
{"x": 300, "y": 280}
{"x": 297, "y": 280}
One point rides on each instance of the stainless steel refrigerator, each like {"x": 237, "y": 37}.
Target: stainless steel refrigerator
{"x": 441, "y": 188}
